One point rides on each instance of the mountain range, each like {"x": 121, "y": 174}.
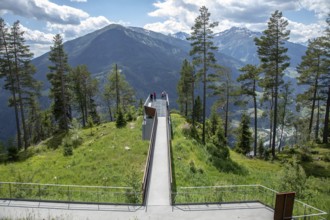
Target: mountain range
{"x": 150, "y": 61}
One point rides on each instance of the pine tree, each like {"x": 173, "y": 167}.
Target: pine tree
{"x": 274, "y": 60}
{"x": 249, "y": 81}
{"x": 185, "y": 88}
{"x": 84, "y": 89}
{"x": 310, "y": 69}
{"x": 221, "y": 86}
{"x": 117, "y": 91}
{"x": 7, "y": 70}
{"x": 198, "y": 110}
{"x": 284, "y": 110}
{"x": 202, "y": 47}
{"x": 326, "y": 82}
{"x": 59, "y": 80}
{"x": 244, "y": 134}
{"x": 16, "y": 64}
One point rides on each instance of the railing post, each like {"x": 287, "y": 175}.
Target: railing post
{"x": 69, "y": 199}
{"x": 39, "y": 192}
{"x": 10, "y": 191}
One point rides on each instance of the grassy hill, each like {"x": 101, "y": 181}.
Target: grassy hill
{"x": 108, "y": 156}
{"x": 192, "y": 167}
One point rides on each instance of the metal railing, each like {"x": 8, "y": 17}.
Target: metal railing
{"x": 69, "y": 193}
{"x": 147, "y": 168}
{"x": 169, "y": 144}
{"x": 242, "y": 193}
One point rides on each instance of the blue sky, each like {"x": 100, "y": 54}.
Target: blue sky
{"x": 42, "y": 19}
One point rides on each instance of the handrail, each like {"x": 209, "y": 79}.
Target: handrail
{"x": 169, "y": 142}
{"x": 150, "y": 153}
{"x": 226, "y": 187}
{"x": 73, "y": 186}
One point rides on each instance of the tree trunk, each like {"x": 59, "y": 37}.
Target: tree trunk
{"x": 255, "y": 120}
{"x": 313, "y": 104}
{"x": 204, "y": 82}
{"x": 317, "y": 125}
{"x": 227, "y": 109}
{"x": 326, "y": 119}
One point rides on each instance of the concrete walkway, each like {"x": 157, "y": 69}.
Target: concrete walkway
{"x": 159, "y": 186}
{"x": 158, "y": 198}
{"x": 64, "y": 211}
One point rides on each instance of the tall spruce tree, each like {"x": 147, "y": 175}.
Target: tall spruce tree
{"x": 60, "y": 84}
{"x": 249, "y": 82}
{"x": 244, "y": 135}
{"x": 202, "y": 50}
{"x": 274, "y": 60}
{"x": 185, "y": 88}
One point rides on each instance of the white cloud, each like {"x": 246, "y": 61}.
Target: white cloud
{"x": 301, "y": 33}
{"x": 44, "y": 10}
{"x": 78, "y": 0}
{"x": 179, "y": 15}
{"x": 71, "y": 31}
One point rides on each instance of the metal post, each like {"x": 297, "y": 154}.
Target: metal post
{"x": 39, "y": 192}
{"x": 10, "y": 191}
{"x": 69, "y": 199}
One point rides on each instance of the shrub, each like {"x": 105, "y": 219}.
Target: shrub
{"x": 293, "y": 178}
{"x": 192, "y": 167}
{"x": 12, "y": 154}
{"x": 306, "y": 157}
{"x": 326, "y": 157}
{"x": 67, "y": 146}
{"x": 120, "y": 121}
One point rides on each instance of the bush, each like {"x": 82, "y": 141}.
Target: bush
{"x": 293, "y": 178}
{"x": 192, "y": 167}
{"x": 218, "y": 152}
{"x": 120, "y": 121}
{"x": 326, "y": 157}
{"x": 67, "y": 146}
{"x": 12, "y": 154}
{"x": 306, "y": 157}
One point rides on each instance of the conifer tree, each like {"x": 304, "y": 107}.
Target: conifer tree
{"x": 202, "y": 50}
{"x": 326, "y": 82}
{"x": 84, "y": 89}
{"x": 185, "y": 88}
{"x": 7, "y": 71}
{"x": 249, "y": 81}
{"x": 18, "y": 71}
{"x": 221, "y": 86}
{"x": 117, "y": 91}
{"x": 244, "y": 134}
{"x": 310, "y": 69}
{"x": 198, "y": 110}
{"x": 60, "y": 84}
{"x": 274, "y": 60}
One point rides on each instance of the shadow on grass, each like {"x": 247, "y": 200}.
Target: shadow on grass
{"x": 316, "y": 170}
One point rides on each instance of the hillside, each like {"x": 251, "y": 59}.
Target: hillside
{"x": 107, "y": 157}
{"x": 150, "y": 61}
{"x": 192, "y": 167}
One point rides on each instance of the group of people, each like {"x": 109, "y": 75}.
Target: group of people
{"x": 153, "y": 96}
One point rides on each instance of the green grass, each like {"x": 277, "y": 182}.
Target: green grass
{"x": 101, "y": 159}
{"x": 186, "y": 151}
